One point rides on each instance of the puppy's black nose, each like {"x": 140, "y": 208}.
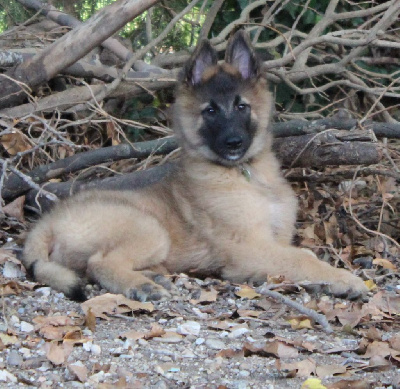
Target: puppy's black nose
{"x": 234, "y": 142}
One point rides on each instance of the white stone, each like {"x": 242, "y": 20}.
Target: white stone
{"x": 200, "y": 341}
{"x": 5, "y": 376}
{"x": 26, "y": 327}
{"x": 43, "y": 291}
{"x": 12, "y": 270}
{"x": 215, "y": 344}
{"x": 189, "y": 328}
{"x": 87, "y": 346}
{"x": 238, "y": 333}
{"x": 95, "y": 349}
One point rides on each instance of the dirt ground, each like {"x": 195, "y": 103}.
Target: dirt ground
{"x": 212, "y": 334}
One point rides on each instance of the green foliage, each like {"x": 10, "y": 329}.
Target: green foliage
{"x": 11, "y": 14}
{"x": 186, "y": 32}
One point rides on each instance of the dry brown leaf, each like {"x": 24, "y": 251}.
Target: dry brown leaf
{"x": 386, "y": 264}
{"x": 7, "y": 255}
{"x": 297, "y": 342}
{"x": 330, "y": 370}
{"x": 79, "y": 370}
{"x": 132, "y": 334}
{"x": 57, "y": 333}
{"x": 15, "y": 143}
{"x": 247, "y": 292}
{"x": 55, "y": 353}
{"x": 16, "y": 208}
{"x": 348, "y": 315}
{"x": 394, "y": 342}
{"x": 377, "y": 348}
{"x": 10, "y": 288}
{"x": 206, "y": 296}
{"x": 113, "y": 133}
{"x": 373, "y": 334}
{"x": 386, "y": 302}
{"x": 302, "y": 368}
{"x": 248, "y": 313}
{"x": 350, "y": 384}
{"x": 230, "y": 353}
{"x": 74, "y": 336}
{"x": 275, "y": 348}
{"x": 170, "y": 336}
{"x": 300, "y": 323}
{"x": 8, "y": 340}
{"x": 370, "y": 284}
{"x": 90, "y": 320}
{"x": 55, "y": 321}
{"x": 114, "y": 304}
{"x": 156, "y": 331}
{"x": 378, "y": 362}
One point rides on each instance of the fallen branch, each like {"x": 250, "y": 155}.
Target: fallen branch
{"x": 317, "y": 317}
{"x": 79, "y": 95}
{"x": 136, "y": 180}
{"x": 309, "y": 175}
{"x": 303, "y": 127}
{"x": 64, "y": 19}
{"x": 81, "y": 68}
{"x": 328, "y": 148}
{"x": 15, "y": 186}
{"x": 65, "y": 51}
{"x": 323, "y": 150}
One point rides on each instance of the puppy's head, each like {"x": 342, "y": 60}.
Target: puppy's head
{"x": 222, "y": 112}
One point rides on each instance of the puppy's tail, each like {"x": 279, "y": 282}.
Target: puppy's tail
{"x": 38, "y": 265}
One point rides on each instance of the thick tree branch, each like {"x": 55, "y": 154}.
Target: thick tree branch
{"x": 332, "y": 147}
{"x": 82, "y": 94}
{"x": 65, "y": 51}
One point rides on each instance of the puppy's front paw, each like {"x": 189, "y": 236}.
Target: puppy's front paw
{"x": 344, "y": 284}
{"x": 147, "y": 292}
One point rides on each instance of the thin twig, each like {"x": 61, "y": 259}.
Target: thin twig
{"x": 319, "y": 318}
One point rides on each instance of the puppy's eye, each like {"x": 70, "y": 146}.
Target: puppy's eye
{"x": 210, "y": 110}
{"x": 241, "y": 107}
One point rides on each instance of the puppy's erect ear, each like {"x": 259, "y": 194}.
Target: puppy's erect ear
{"x": 203, "y": 57}
{"x": 240, "y": 54}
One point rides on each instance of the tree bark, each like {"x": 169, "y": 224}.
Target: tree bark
{"x": 68, "y": 49}
{"x": 82, "y": 94}
{"x": 15, "y": 186}
{"x": 327, "y": 149}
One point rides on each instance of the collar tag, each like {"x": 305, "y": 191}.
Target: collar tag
{"x": 245, "y": 172}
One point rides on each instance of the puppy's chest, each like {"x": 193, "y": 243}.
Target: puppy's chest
{"x": 247, "y": 203}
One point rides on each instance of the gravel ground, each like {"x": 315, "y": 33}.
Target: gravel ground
{"x": 207, "y": 336}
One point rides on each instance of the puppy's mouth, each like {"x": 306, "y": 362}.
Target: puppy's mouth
{"x": 233, "y": 148}
{"x": 233, "y": 156}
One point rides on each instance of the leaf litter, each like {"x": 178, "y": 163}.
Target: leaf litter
{"x": 215, "y": 333}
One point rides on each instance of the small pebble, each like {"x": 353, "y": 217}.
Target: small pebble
{"x": 14, "y": 358}
{"x": 189, "y": 328}
{"x": 12, "y": 270}
{"x": 43, "y": 291}
{"x": 26, "y": 327}
{"x": 215, "y": 344}
{"x": 5, "y": 376}
{"x": 238, "y": 333}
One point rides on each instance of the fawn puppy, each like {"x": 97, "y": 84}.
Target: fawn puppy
{"x": 225, "y": 209}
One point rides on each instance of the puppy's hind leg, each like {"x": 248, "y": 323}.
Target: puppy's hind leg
{"x": 126, "y": 269}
